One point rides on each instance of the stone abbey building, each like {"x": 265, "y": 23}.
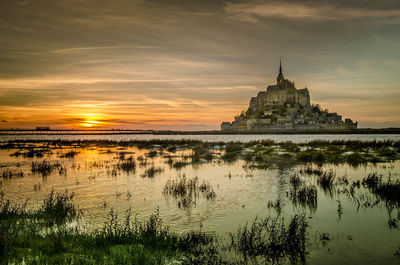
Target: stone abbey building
{"x": 284, "y": 107}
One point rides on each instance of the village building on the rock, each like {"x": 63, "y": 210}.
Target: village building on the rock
{"x": 284, "y": 107}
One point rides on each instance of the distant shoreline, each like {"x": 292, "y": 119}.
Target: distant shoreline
{"x": 356, "y": 131}
{"x": 213, "y": 132}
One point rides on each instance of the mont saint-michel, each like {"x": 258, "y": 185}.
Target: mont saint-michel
{"x": 284, "y": 107}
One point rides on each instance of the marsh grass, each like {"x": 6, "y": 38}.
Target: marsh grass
{"x": 295, "y": 181}
{"x": 69, "y": 154}
{"x": 305, "y": 196}
{"x": 152, "y": 171}
{"x": 388, "y": 191}
{"x": 356, "y": 159}
{"x": 277, "y": 205}
{"x": 201, "y": 152}
{"x": 232, "y": 151}
{"x": 312, "y": 171}
{"x": 20, "y": 227}
{"x": 57, "y": 208}
{"x": 31, "y": 153}
{"x": 25, "y": 238}
{"x": 179, "y": 164}
{"x": 142, "y": 161}
{"x": 45, "y": 168}
{"x": 127, "y": 164}
{"x": 397, "y": 253}
{"x": 172, "y": 148}
{"x": 40, "y": 235}
{"x": 152, "y": 154}
{"x": 339, "y": 209}
{"x": 257, "y": 154}
{"x": 290, "y": 146}
{"x": 122, "y": 154}
{"x": 326, "y": 182}
{"x": 270, "y": 240}
{"x": 393, "y": 223}
{"x": 9, "y": 210}
{"x": 324, "y": 238}
{"x": 9, "y": 174}
{"x": 187, "y": 191}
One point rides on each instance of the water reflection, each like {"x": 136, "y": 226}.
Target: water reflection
{"x": 295, "y": 138}
{"x": 334, "y": 198}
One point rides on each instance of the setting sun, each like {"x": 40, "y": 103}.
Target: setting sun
{"x": 91, "y": 120}
{"x": 90, "y": 124}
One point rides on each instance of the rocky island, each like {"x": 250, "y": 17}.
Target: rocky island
{"x": 284, "y": 107}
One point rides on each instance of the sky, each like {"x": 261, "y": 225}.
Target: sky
{"x": 188, "y": 64}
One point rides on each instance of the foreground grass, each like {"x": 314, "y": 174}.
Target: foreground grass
{"x": 270, "y": 241}
{"x": 51, "y": 234}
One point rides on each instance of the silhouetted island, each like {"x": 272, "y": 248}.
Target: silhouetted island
{"x": 283, "y": 107}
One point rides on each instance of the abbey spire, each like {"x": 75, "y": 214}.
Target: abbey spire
{"x": 280, "y": 77}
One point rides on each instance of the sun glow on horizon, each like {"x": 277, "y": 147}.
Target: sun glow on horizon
{"x": 92, "y": 121}
{"x": 90, "y": 124}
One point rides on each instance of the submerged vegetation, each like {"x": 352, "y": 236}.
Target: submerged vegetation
{"x": 152, "y": 171}
{"x": 51, "y": 231}
{"x": 389, "y": 190}
{"x": 305, "y": 196}
{"x": 261, "y": 154}
{"x": 45, "y": 168}
{"x": 127, "y": 164}
{"x": 188, "y": 191}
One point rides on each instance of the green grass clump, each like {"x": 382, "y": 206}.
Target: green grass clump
{"x": 57, "y": 208}
{"x": 311, "y": 156}
{"x": 388, "y": 191}
{"x": 232, "y": 151}
{"x": 26, "y": 237}
{"x": 305, "y": 196}
{"x": 355, "y": 159}
{"x": 188, "y": 191}
{"x": 201, "y": 151}
{"x": 326, "y": 181}
{"x": 271, "y": 241}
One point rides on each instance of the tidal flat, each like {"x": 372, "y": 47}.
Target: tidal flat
{"x": 195, "y": 202}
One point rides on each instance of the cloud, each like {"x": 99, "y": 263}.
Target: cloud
{"x": 253, "y": 12}
{"x": 155, "y": 63}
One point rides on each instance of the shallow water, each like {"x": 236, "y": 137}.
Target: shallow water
{"x": 296, "y": 138}
{"x": 360, "y": 235}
